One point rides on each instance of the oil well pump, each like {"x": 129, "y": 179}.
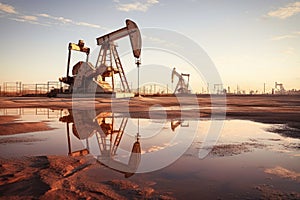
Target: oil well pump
{"x": 279, "y": 89}
{"x": 182, "y": 86}
{"x": 87, "y": 78}
{"x": 69, "y": 80}
{"x": 104, "y": 131}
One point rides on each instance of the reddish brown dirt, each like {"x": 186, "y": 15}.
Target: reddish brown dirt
{"x": 59, "y": 177}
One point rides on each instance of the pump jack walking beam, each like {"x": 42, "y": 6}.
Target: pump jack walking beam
{"x": 130, "y": 30}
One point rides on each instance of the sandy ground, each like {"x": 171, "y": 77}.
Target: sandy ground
{"x": 222, "y": 150}
{"x": 59, "y": 177}
{"x": 54, "y": 177}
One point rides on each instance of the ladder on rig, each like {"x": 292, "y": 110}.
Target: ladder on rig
{"x": 107, "y": 55}
{"x": 119, "y": 135}
{"x": 120, "y": 69}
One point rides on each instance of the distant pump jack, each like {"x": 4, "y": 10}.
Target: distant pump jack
{"x": 182, "y": 86}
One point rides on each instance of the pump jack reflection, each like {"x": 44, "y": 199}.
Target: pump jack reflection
{"x": 179, "y": 122}
{"x": 103, "y": 125}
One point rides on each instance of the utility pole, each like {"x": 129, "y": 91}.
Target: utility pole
{"x": 207, "y": 88}
{"x": 167, "y": 89}
{"x": 264, "y": 88}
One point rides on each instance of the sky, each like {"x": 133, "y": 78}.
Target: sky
{"x": 250, "y": 42}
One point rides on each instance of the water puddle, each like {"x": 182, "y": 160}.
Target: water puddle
{"x": 248, "y": 158}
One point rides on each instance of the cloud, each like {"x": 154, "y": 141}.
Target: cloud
{"x": 282, "y": 37}
{"x": 89, "y": 25}
{"x": 59, "y": 19}
{"x": 38, "y": 18}
{"x": 7, "y": 8}
{"x": 136, "y": 5}
{"x": 287, "y": 11}
{"x": 24, "y": 20}
{"x": 289, "y": 51}
{"x": 29, "y": 18}
{"x": 16, "y": 16}
{"x": 295, "y": 34}
{"x": 44, "y": 15}
{"x": 64, "y": 21}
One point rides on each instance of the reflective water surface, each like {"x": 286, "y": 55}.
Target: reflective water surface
{"x": 247, "y": 160}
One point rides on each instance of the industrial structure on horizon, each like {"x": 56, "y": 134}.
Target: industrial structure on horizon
{"x": 42, "y": 89}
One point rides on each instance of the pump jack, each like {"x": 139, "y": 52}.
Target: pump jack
{"x": 180, "y": 122}
{"x": 279, "y": 88}
{"x": 181, "y": 86}
{"x": 88, "y": 78}
{"x": 108, "y": 138}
